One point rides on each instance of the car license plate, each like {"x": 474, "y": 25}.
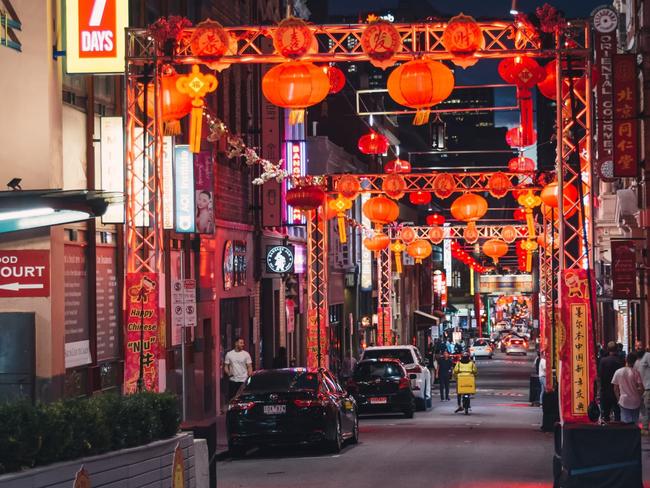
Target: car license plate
{"x": 379, "y": 400}
{"x": 275, "y": 409}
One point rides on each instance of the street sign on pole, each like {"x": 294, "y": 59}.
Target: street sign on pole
{"x": 183, "y": 303}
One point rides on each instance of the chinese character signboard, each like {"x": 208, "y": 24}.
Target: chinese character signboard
{"x": 95, "y": 35}
{"x": 577, "y": 363}
{"x": 141, "y": 315}
{"x": 626, "y": 124}
{"x": 623, "y": 270}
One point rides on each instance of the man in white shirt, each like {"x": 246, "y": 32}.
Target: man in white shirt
{"x": 628, "y": 388}
{"x": 542, "y": 377}
{"x": 643, "y": 367}
{"x": 238, "y": 366}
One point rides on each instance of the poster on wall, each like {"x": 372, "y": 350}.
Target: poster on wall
{"x": 75, "y": 283}
{"x": 108, "y": 306}
{"x": 141, "y": 315}
{"x": 204, "y": 192}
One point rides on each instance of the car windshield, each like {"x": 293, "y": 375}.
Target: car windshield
{"x": 480, "y": 343}
{"x": 281, "y": 381}
{"x": 365, "y": 371}
{"x": 404, "y": 355}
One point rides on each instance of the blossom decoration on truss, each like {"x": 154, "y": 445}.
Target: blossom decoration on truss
{"x": 550, "y": 19}
{"x": 168, "y": 29}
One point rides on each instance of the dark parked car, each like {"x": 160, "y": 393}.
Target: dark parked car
{"x": 291, "y": 406}
{"x": 382, "y": 385}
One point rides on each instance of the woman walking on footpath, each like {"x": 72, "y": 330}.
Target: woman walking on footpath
{"x": 628, "y": 389}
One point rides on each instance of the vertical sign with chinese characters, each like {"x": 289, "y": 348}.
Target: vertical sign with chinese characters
{"x": 626, "y": 124}
{"x": 623, "y": 270}
{"x": 141, "y": 317}
{"x": 295, "y": 157}
{"x": 577, "y": 359}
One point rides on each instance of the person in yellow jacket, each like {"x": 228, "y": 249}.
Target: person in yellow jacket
{"x": 464, "y": 368}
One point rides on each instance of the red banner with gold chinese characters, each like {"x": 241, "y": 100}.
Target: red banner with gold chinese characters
{"x": 312, "y": 339}
{"x": 384, "y": 326}
{"x": 626, "y": 123}
{"x": 141, "y": 315}
{"x": 577, "y": 363}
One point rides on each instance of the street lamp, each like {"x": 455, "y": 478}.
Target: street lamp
{"x": 513, "y": 8}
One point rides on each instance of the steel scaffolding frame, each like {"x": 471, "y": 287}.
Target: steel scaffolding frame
{"x": 456, "y": 231}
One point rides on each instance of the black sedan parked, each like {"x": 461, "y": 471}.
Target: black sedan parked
{"x": 381, "y": 385}
{"x": 291, "y": 406}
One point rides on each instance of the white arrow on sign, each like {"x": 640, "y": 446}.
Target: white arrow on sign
{"x": 20, "y": 286}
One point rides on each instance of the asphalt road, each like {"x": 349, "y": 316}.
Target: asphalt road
{"x": 498, "y": 445}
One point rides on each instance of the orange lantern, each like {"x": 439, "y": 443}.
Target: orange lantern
{"x": 549, "y": 196}
{"x": 397, "y": 248}
{"x": 498, "y": 185}
{"x": 419, "y": 250}
{"x": 397, "y": 166}
{"x": 470, "y": 234}
{"x": 373, "y": 143}
{"x": 435, "y": 219}
{"x": 420, "y": 84}
{"x": 521, "y": 164}
{"x": 462, "y": 38}
{"x": 444, "y": 185}
{"x": 495, "y": 248}
{"x": 295, "y": 85}
{"x": 378, "y": 242}
{"x": 469, "y": 207}
{"x": 436, "y": 234}
{"x": 341, "y": 205}
{"x": 394, "y": 186}
{"x": 196, "y": 85}
{"x": 348, "y": 186}
{"x": 380, "y": 210}
{"x": 175, "y": 105}
{"x": 509, "y": 234}
{"x": 407, "y": 234}
{"x": 336, "y": 77}
{"x": 420, "y": 197}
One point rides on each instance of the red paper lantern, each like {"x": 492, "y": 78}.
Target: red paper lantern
{"x": 469, "y": 207}
{"x": 435, "y": 219}
{"x": 420, "y": 84}
{"x": 549, "y": 196}
{"x": 420, "y": 197}
{"x": 381, "y": 210}
{"x": 175, "y": 105}
{"x": 378, "y": 242}
{"x": 521, "y": 164}
{"x": 397, "y": 166}
{"x": 514, "y": 138}
{"x": 336, "y": 77}
{"x": 495, "y": 248}
{"x": 522, "y": 71}
{"x": 295, "y": 85}
{"x": 419, "y": 249}
{"x": 373, "y": 143}
{"x": 305, "y": 198}
{"x": 519, "y": 214}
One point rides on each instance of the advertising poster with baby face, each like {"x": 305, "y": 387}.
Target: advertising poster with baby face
{"x": 204, "y": 192}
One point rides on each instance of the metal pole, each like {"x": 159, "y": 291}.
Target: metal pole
{"x": 318, "y": 244}
{"x": 183, "y": 385}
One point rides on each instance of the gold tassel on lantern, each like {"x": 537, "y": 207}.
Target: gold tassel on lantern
{"x": 197, "y": 86}
{"x": 422, "y": 116}
{"x": 296, "y": 116}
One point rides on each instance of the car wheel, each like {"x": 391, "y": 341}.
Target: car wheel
{"x": 334, "y": 446}
{"x": 420, "y": 404}
{"x": 355, "y": 430}
{"x": 408, "y": 413}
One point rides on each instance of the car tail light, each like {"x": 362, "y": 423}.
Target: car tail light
{"x": 404, "y": 383}
{"x": 302, "y": 403}
{"x": 414, "y": 369}
{"x": 241, "y": 406}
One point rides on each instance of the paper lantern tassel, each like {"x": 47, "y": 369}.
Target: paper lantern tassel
{"x": 342, "y": 234}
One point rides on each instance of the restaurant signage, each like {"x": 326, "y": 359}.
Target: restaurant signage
{"x": 24, "y": 273}
{"x": 279, "y": 259}
{"x": 626, "y": 123}
{"x": 623, "y": 270}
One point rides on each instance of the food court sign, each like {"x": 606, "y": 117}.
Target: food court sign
{"x": 94, "y": 36}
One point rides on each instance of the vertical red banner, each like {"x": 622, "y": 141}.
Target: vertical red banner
{"x": 626, "y": 123}
{"x": 141, "y": 315}
{"x": 384, "y": 326}
{"x": 312, "y": 339}
{"x": 624, "y": 270}
{"x": 577, "y": 356}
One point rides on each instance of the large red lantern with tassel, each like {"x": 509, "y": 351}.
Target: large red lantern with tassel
{"x": 469, "y": 207}
{"x": 378, "y": 242}
{"x": 175, "y": 105}
{"x": 295, "y": 85}
{"x": 381, "y": 210}
{"x": 336, "y": 77}
{"x": 549, "y": 196}
{"x": 435, "y": 219}
{"x": 308, "y": 197}
{"x": 420, "y": 197}
{"x": 495, "y": 248}
{"x": 373, "y": 143}
{"x": 420, "y": 84}
{"x": 397, "y": 166}
{"x": 521, "y": 164}
{"x": 419, "y": 250}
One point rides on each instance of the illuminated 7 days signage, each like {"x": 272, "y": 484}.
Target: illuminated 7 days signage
{"x": 94, "y": 39}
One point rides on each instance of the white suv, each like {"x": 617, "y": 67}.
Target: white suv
{"x": 415, "y": 366}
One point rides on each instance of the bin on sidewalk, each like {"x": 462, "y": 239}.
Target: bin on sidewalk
{"x": 534, "y": 390}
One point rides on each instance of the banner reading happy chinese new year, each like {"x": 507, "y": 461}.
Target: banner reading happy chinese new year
{"x": 141, "y": 314}
{"x": 312, "y": 339}
{"x": 577, "y": 358}
{"x": 384, "y": 326}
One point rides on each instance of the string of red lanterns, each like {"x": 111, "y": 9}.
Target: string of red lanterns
{"x": 461, "y": 255}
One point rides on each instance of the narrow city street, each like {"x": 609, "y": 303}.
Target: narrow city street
{"x": 498, "y": 445}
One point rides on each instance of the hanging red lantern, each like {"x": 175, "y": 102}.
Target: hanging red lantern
{"x": 443, "y": 185}
{"x": 373, "y": 143}
{"x": 495, "y": 248}
{"x": 407, "y": 234}
{"x": 548, "y": 86}
{"x": 295, "y": 85}
{"x": 381, "y": 41}
{"x": 378, "y": 242}
{"x": 293, "y": 38}
{"x": 308, "y": 197}
{"x": 420, "y": 84}
{"x": 381, "y": 210}
{"x": 420, "y": 197}
{"x": 397, "y": 166}
{"x": 499, "y": 185}
{"x": 469, "y": 207}
{"x": 327, "y": 210}
{"x": 336, "y": 77}
{"x": 549, "y": 196}
{"x": 462, "y": 38}
{"x": 515, "y": 139}
{"x": 436, "y": 234}
{"x": 348, "y": 186}
{"x": 394, "y": 186}
{"x": 519, "y": 214}
{"x": 435, "y": 219}
{"x": 175, "y": 105}
{"x": 419, "y": 250}
{"x": 521, "y": 164}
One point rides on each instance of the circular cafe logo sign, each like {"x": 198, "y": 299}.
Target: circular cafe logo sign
{"x": 605, "y": 20}
{"x": 279, "y": 259}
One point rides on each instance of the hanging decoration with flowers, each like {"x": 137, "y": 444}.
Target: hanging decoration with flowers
{"x": 397, "y": 165}
{"x": 420, "y": 84}
{"x": 419, "y": 250}
{"x": 293, "y": 38}
{"x": 167, "y": 32}
{"x": 436, "y": 234}
{"x": 394, "y": 186}
{"x": 463, "y": 37}
{"x": 340, "y": 205}
{"x": 381, "y": 42}
{"x": 196, "y": 85}
{"x": 295, "y": 85}
{"x": 443, "y": 185}
{"x": 499, "y": 185}
{"x": 373, "y": 143}
{"x": 397, "y": 248}
{"x": 210, "y": 39}
{"x": 529, "y": 201}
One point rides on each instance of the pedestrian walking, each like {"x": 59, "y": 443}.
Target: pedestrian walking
{"x": 639, "y": 350}
{"x": 628, "y": 388}
{"x": 541, "y": 374}
{"x": 607, "y": 368}
{"x": 642, "y": 365}
{"x": 238, "y": 366}
{"x": 467, "y": 368}
{"x": 443, "y": 373}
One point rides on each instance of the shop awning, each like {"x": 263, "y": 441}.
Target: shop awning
{"x": 29, "y": 209}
